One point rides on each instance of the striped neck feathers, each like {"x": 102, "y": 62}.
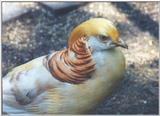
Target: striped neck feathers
{"x": 74, "y": 64}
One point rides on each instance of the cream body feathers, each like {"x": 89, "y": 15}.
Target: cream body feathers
{"x": 62, "y": 97}
{"x": 31, "y": 88}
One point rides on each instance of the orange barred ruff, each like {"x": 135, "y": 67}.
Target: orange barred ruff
{"x": 75, "y": 69}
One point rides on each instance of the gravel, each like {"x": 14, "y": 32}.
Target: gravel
{"x": 42, "y": 30}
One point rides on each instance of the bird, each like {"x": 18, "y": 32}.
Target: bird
{"x": 73, "y": 80}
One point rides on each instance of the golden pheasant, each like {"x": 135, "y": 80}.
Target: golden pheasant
{"x": 70, "y": 81}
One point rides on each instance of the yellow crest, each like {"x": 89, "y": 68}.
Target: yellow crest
{"x": 93, "y": 27}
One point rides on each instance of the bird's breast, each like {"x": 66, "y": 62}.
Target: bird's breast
{"x": 80, "y": 98}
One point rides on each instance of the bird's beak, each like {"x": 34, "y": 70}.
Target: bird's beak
{"x": 121, "y": 43}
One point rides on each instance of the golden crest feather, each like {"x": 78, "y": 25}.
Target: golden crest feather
{"x": 93, "y": 27}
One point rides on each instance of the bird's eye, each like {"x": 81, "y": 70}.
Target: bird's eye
{"x": 104, "y": 38}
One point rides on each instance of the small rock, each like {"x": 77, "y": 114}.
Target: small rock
{"x": 132, "y": 65}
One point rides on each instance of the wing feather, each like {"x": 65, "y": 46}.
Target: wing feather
{"x": 24, "y": 85}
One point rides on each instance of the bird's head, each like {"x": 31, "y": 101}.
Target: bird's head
{"x": 101, "y": 34}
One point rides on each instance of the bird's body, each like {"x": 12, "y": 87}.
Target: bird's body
{"x": 36, "y": 87}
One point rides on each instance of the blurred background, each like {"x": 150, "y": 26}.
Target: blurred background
{"x": 33, "y": 29}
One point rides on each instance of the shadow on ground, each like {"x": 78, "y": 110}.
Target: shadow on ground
{"x": 140, "y": 19}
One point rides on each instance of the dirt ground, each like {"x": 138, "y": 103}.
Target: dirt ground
{"x": 42, "y": 30}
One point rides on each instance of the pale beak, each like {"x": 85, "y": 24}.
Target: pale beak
{"x": 121, "y": 43}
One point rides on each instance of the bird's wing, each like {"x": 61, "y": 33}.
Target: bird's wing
{"x": 25, "y": 83}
